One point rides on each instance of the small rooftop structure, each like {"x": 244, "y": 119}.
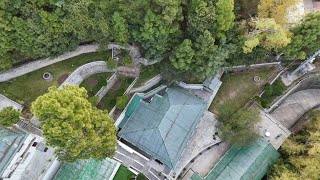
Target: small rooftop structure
{"x": 249, "y": 162}
{"x": 88, "y": 169}
{"x": 162, "y": 127}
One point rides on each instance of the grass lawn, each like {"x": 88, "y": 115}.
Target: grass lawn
{"x": 94, "y": 83}
{"x": 109, "y": 100}
{"x": 240, "y": 87}
{"x": 27, "y": 88}
{"x": 123, "y": 174}
{"x": 147, "y": 72}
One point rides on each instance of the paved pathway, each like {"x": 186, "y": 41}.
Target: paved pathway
{"x": 155, "y": 80}
{"x": 296, "y": 105}
{"x": 35, "y": 65}
{"x": 85, "y": 71}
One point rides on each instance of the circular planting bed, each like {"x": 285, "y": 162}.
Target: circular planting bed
{"x": 256, "y": 79}
{"x": 47, "y": 76}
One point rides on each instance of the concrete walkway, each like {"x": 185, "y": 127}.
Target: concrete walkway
{"x": 296, "y": 105}
{"x": 155, "y": 80}
{"x": 85, "y": 71}
{"x": 35, "y": 65}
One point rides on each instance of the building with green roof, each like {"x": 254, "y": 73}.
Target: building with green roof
{"x": 10, "y": 142}
{"x": 88, "y": 169}
{"x": 251, "y": 162}
{"x": 162, "y": 127}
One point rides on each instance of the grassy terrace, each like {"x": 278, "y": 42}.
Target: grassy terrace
{"x": 123, "y": 174}
{"x": 94, "y": 83}
{"x": 147, "y": 72}
{"x": 240, "y": 87}
{"x": 27, "y": 88}
{"x": 109, "y": 100}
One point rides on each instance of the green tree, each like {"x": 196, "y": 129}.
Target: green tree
{"x": 155, "y": 36}
{"x": 300, "y": 154}
{"x": 277, "y": 9}
{"x": 9, "y": 116}
{"x": 238, "y": 126}
{"x": 208, "y": 57}
{"x": 120, "y": 28}
{"x": 267, "y": 33}
{"x": 183, "y": 56}
{"x": 201, "y": 16}
{"x": 225, "y": 17}
{"x": 71, "y": 125}
{"x": 306, "y": 36}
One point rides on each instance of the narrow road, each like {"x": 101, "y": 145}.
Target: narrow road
{"x": 296, "y": 105}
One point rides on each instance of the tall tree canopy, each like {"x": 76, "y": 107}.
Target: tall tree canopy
{"x": 73, "y": 126}
{"x": 300, "y": 154}
{"x": 9, "y": 116}
{"x": 277, "y": 9}
{"x": 305, "y": 39}
{"x": 267, "y": 33}
{"x": 120, "y": 28}
{"x": 238, "y": 126}
{"x": 183, "y": 56}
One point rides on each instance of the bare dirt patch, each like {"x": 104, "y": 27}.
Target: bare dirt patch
{"x": 62, "y": 78}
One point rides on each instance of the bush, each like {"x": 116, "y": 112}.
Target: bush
{"x": 111, "y": 63}
{"x": 9, "y": 116}
{"x": 122, "y": 102}
{"x": 271, "y": 92}
{"x": 94, "y": 100}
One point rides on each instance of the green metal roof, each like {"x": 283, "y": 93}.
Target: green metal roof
{"x": 87, "y": 169}
{"x": 10, "y": 142}
{"x": 130, "y": 109}
{"x": 162, "y": 127}
{"x": 251, "y": 162}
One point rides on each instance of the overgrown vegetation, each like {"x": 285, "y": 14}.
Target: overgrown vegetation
{"x": 122, "y": 101}
{"x": 237, "y": 125}
{"x": 110, "y": 99}
{"x": 9, "y": 116}
{"x": 271, "y": 92}
{"x": 300, "y": 154}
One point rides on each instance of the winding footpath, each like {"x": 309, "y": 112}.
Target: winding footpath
{"x": 38, "y": 64}
{"x": 35, "y": 65}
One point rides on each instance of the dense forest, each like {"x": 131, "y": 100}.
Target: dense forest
{"x": 196, "y": 36}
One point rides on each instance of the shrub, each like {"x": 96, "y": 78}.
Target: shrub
{"x": 271, "y": 92}
{"x": 122, "y": 102}
{"x": 111, "y": 63}
{"x": 9, "y": 116}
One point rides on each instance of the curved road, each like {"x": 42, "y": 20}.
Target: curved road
{"x": 84, "y": 71}
{"x": 296, "y": 105}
